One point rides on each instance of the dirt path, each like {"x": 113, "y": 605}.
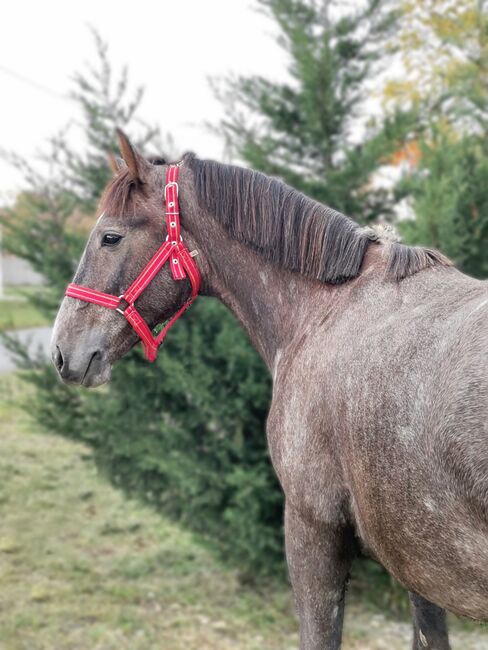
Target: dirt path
{"x": 83, "y": 568}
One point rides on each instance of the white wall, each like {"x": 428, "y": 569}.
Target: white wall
{"x": 17, "y": 272}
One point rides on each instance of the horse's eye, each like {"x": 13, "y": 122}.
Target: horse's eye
{"x": 110, "y": 239}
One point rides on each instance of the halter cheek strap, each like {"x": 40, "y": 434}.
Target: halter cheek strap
{"x": 182, "y": 265}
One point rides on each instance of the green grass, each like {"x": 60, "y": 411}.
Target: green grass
{"x": 83, "y": 568}
{"x": 16, "y": 312}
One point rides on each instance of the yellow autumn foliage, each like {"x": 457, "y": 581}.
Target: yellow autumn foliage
{"x": 441, "y": 45}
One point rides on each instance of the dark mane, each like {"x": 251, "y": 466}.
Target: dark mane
{"x": 293, "y": 231}
{"x": 407, "y": 260}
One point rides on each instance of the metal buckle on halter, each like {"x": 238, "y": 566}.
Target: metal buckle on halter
{"x": 169, "y": 185}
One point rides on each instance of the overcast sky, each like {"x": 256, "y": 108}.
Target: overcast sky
{"x": 178, "y": 44}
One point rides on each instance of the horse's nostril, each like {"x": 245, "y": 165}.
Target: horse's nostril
{"x": 95, "y": 357}
{"x": 58, "y": 358}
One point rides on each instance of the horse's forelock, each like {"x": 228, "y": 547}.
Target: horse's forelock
{"x": 119, "y": 194}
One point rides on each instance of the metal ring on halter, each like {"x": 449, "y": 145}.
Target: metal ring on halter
{"x": 121, "y": 297}
{"x": 169, "y": 185}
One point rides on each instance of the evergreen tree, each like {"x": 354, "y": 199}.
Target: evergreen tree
{"x": 449, "y": 199}
{"x": 305, "y": 130}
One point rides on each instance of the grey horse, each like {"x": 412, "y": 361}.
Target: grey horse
{"x": 378, "y": 426}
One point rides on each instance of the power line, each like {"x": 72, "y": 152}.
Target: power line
{"x": 32, "y": 83}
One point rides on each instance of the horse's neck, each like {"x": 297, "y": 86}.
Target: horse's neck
{"x": 273, "y": 305}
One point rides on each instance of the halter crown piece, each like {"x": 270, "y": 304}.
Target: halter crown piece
{"x": 181, "y": 263}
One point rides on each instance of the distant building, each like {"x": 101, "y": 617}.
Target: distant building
{"x": 15, "y": 272}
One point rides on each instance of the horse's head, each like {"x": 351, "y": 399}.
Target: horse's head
{"x": 88, "y": 338}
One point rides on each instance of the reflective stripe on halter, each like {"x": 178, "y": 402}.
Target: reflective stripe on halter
{"x": 181, "y": 264}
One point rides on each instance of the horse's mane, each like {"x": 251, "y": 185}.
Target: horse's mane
{"x": 292, "y": 230}
{"x": 282, "y": 224}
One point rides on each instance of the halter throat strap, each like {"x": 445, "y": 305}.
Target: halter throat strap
{"x": 173, "y": 251}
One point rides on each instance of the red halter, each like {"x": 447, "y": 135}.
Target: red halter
{"x": 181, "y": 264}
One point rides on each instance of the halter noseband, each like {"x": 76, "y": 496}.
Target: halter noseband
{"x": 181, "y": 264}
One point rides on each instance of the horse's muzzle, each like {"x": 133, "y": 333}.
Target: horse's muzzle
{"x": 82, "y": 367}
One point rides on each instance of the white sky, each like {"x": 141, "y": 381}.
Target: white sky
{"x": 176, "y": 44}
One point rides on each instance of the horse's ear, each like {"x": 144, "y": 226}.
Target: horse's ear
{"x": 136, "y": 164}
{"x": 115, "y": 163}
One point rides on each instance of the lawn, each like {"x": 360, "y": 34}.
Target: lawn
{"x": 16, "y": 312}
{"x": 83, "y": 568}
